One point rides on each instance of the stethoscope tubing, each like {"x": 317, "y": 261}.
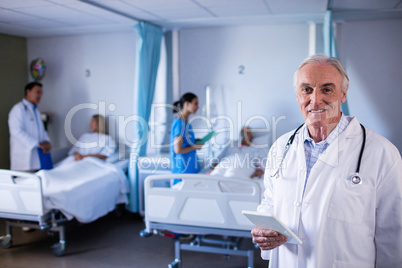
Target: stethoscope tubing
{"x": 362, "y": 149}
{"x": 290, "y": 141}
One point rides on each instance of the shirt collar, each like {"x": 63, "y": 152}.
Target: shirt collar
{"x": 341, "y": 126}
{"x": 27, "y": 102}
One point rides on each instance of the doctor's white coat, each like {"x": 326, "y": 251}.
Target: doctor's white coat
{"x": 340, "y": 223}
{"x": 25, "y": 136}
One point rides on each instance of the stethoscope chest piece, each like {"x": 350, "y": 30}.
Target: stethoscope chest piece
{"x": 356, "y": 179}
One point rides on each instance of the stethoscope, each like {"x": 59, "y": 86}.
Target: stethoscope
{"x": 31, "y": 118}
{"x": 26, "y": 110}
{"x": 355, "y": 178}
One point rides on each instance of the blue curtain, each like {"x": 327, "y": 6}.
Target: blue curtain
{"x": 169, "y": 83}
{"x": 147, "y": 56}
{"x": 330, "y": 48}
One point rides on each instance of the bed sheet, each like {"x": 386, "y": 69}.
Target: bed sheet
{"x": 85, "y": 190}
{"x": 234, "y": 166}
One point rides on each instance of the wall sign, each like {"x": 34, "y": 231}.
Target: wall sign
{"x": 241, "y": 69}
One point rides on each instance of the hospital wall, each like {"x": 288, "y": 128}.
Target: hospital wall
{"x": 13, "y": 78}
{"x": 270, "y": 54}
{"x": 371, "y": 52}
{"x": 249, "y": 69}
{"x": 86, "y": 75}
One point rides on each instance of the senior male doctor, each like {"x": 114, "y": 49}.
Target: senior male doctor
{"x": 343, "y": 220}
{"x": 28, "y": 138}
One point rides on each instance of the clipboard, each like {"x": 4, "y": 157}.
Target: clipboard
{"x": 206, "y": 137}
{"x": 269, "y": 221}
{"x": 45, "y": 160}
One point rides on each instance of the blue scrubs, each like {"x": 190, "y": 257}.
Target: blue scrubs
{"x": 183, "y": 163}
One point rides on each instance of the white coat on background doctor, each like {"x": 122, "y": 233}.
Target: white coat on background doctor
{"x": 341, "y": 221}
{"x": 27, "y": 132}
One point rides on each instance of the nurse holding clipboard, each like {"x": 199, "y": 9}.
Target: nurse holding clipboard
{"x": 183, "y": 146}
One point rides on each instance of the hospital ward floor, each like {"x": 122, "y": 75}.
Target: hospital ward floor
{"x": 109, "y": 242}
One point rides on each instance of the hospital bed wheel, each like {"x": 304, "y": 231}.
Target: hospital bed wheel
{"x": 6, "y": 241}
{"x": 58, "y": 249}
{"x": 174, "y": 264}
{"x": 144, "y": 233}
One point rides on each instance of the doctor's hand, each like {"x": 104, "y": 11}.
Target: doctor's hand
{"x": 267, "y": 239}
{"x": 45, "y": 146}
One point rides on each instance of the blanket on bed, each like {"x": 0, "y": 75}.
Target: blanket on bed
{"x": 85, "y": 190}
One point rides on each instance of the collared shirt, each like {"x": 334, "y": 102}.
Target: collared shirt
{"x": 27, "y": 102}
{"x": 313, "y": 150}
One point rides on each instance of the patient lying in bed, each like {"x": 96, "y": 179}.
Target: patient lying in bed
{"x": 85, "y": 190}
{"x": 95, "y": 144}
{"x": 85, "y": 185}
{"x": 244, "y": 161}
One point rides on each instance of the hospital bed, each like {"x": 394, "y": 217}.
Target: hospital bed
{"x": 83, "y": 190}
{"x": 202, "y": 205}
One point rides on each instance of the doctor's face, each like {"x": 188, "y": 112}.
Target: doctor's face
{"x": 34, "y": 95}
{"x": 319, "y": 94}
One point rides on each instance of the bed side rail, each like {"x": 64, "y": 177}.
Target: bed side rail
{"x": 201, "y": 200}
{"x": 20, "y": 194}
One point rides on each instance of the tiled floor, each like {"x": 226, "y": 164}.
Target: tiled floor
{"x": 109, "y": 242}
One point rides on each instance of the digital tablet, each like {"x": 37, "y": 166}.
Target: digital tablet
{"x": 269, "y": 221}
{"x": 206, "y": 138}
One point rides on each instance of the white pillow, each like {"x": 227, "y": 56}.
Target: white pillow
{"x": 261, "y": 141}
{"x": 240, "y": 172}
{"x": 230, "y": 169}
{"x": 113, "y": 158}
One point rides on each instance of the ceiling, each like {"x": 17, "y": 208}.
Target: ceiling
{"x": 33, "y": 18}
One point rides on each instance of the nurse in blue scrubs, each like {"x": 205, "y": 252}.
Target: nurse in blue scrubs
{"x": 183, "y": 156}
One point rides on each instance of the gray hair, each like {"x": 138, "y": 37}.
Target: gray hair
{"x": 322, "y": 59}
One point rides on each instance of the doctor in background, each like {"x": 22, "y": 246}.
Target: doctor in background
{"x": 27, "y": 132}
{"x": 343, "y": 221}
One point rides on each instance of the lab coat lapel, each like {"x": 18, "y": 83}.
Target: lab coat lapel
{"x": 302, "y": 168}
{"x": 333, "y": 155}
{"x": 35, "y": 121}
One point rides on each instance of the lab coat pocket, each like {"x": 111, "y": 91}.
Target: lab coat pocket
{"x": 349, "y": 201}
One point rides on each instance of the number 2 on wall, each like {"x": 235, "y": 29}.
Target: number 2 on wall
{"x": 241, "y": 69}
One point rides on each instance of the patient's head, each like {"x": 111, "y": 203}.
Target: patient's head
{"x": 246, "y": 136}
{"x": 98, "y": 124}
